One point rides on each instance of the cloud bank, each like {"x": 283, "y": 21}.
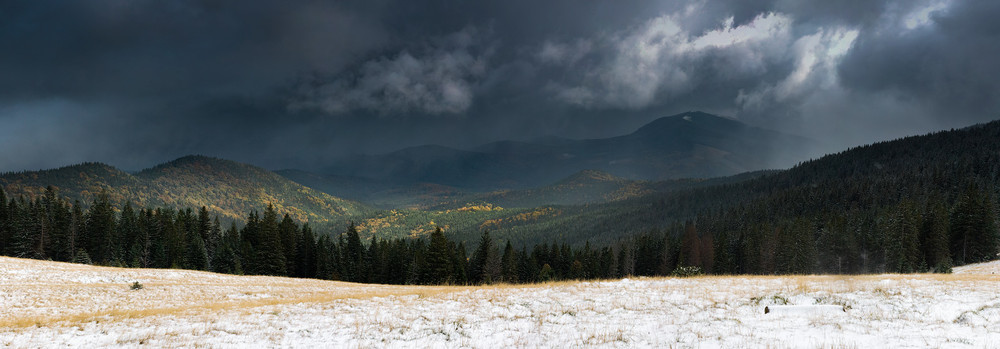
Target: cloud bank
{"x": 298, "y": 84}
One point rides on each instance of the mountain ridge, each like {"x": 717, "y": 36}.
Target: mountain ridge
{"x": 685, "y": 145}
{"x": 227, "y": 188}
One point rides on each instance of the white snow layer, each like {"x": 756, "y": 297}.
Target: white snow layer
{"x": 47, "y": 304}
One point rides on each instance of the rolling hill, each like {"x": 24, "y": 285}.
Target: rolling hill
{"x": 227, "y": 188}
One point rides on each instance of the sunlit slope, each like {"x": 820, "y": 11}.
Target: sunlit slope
{"x": 229, "y": 189}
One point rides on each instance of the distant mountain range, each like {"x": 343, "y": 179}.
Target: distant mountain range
{"x": 227, "y": 188}
{"x": 687, "y": 145}
{"x": 589, "y": 204}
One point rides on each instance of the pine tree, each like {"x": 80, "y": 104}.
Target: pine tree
{"x": 270, "y": 253}
{"x": 77, "y": 233}
{"x": 477, "y": 265}
{"x": 352, "y": 258}
{"x": 204, "y": 223}
{"x": 22, "y": 238}
{"x": 934, "y": 237}
{"x": 325, "y": 256}
{"x": 175, "y": 236}
{"x": 197, "y": 255}
{"x": 374, "y": 262}
{"x": 459, "y": 261}
{"x": 509, "y": 263}
{"x": 289, "y": 233}
{"x": 973, "y": 228}
{"x": 129, "y": 237}
{"x": 249, "y": 239}
{"x": 62, "y": 231}
{"x": 226, "y": 259}
{"x": 904, "y": 252}
{"x": 214, "y": 236}
{"x": 305, "y": 262}
{"x": 439, "y": 261}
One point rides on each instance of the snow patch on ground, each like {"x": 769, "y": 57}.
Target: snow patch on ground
{"x": 182, "y": 308}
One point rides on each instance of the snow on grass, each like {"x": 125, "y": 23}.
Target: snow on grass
{"x": 54, "y": 304}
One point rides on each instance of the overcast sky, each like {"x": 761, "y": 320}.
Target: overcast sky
{"x": 284, "y": 84}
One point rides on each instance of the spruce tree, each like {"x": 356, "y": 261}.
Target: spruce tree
{"x": 439, "y": 261}
{"x": 270, "y": 253}
{"x": 305, "y": 262}
{"x": 62, "y": 230}
{"x": 226, "y": 259}
{"x": 325, "y": 256}
{"x": 197, "y": 255}
{"x": 460, "y": 264}
{"x": 289, "y": 234}
{"x": 129, "y": 237}
{"x": 934, "y": 237}
{"x": 509, "y": 263}
{"x": 22, "y": 238}
{"x": 249, "y": 240}
{"x": 477, "y": 265}
{"x": 77, "y": 233}
{"x": 904, "y": 252}
{"x": 353, "y": 255}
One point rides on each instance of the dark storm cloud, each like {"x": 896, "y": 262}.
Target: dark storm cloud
{"x": 297, "y": 84}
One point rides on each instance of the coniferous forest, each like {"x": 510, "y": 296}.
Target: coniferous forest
{"x": 919, "y": 204}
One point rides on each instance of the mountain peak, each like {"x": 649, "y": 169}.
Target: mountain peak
{"x": 687, "y": 120}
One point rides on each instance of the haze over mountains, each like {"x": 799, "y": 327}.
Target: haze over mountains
{"x": 687, "y": 145}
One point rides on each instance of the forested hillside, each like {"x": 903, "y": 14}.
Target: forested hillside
{"x": 227, "y": 188}
{"x": 918, "y": 203}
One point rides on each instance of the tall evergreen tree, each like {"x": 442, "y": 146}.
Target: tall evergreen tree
{"x": 305, "y": 262}
{"x": 226, "y": 258}
{"x": 509, "y": 263}
{"x": 904, "y": 252}
{"x": 934, "y": 237}
{"x": 62, "y": 232}
{"x": 197, "y": 254}
{"x": 973, "y": 227}
{"x": 270, "y": 253}
{"x": 78, "y": 229}
{"x": 288, "y": 231}
{"x": 249, "y": 240}
{"x": 129, "y": 237}
{"x": 353, "y": 255}
{"x": 100, "y": 230}
{"x": 460, "y": 264}
{"x": 477, "y": 265}
{"x": 439, "y": 261}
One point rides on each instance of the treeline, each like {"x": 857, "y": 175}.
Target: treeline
{"x": 912, "y": 236}
{"x": 50, "y": 228}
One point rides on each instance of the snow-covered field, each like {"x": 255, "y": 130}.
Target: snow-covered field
{"x": 45, "y": 304}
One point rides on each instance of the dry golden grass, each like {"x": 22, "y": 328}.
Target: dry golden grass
{"x": 42, "y": 294}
